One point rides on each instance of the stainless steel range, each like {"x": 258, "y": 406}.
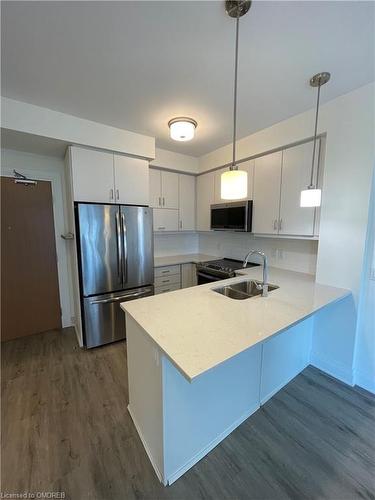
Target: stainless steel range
{"x": 221, "y": 269}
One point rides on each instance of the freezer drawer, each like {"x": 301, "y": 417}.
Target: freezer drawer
{"x": 104, "y": 318}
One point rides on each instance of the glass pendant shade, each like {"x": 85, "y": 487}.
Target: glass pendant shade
{"x": 234, "y": 185}
{"x": 311, "y": 198}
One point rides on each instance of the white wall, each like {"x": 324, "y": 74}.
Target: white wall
{"x": 294, "y": 255}
{"x": 51, "y": 169}
{"x": 348, "y": 122}
{"x": 175, "y": 244}
{"x": 364, "y": 371}
{"x": 30, "y": 119}
{"x": 175, "y": 161}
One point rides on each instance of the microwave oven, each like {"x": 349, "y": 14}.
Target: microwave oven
{"x": 232, "y": 216}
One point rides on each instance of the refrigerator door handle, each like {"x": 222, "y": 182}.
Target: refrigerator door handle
{"x": 119, "y": 247}
{"x": 122, "y": 298}
{"x": 125, "y": 259}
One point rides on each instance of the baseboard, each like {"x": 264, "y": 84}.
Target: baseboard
{"x": 156, "y": 469}
{"x": 364, "y": 381}
{"x": 336, "y": 370}
{"x": 202, "y": 453}
{"x": 283, "y": 384}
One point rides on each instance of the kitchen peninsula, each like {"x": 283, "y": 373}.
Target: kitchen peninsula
{"x": 200, "y": 363}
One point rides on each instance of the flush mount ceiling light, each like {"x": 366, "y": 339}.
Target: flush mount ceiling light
{"x": 182, "y": 128}
{"x": 311, "y": 197}
{"x": 234, "y": 182}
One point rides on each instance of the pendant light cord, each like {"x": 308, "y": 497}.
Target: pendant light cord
{"x": 233, "y": 166}
{"x": 315, "y": 134}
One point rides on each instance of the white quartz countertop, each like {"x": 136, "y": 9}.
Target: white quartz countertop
{"x": 172, "y": 260}
{"x": 198, "y": 328}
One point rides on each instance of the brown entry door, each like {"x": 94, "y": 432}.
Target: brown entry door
{"x": 30, "y": 301}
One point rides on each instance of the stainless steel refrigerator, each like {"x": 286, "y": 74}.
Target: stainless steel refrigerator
{"x": 115, "y": 249}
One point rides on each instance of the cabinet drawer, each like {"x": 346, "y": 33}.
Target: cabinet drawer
{"x": 167, "y": 280}
{"x": 167, "y": 288}
{"x": 166, "y": 271}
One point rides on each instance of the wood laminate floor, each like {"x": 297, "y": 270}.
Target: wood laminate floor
{"x": 65, "y": 427}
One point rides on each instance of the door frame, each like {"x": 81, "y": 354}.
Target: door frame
{"x": 57, "y": 180}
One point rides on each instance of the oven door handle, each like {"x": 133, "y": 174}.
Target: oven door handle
{"x": 209, "y": 276}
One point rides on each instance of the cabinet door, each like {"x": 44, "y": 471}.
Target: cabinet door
{"x": 248, "y": 167}
{"x": 131, "y": 180}
{"x": 155, "y": 188}
{"x": 169, "y": 189}
{"x": 205, "y": 197}
{"x": 186, "y": 202}
{"x": 92, "y": 176}
{"x": 295, "y": 176}
{"x": 267, "y": 179}
{"x": 188, "y": 275}
{"x": 165, "y": 219}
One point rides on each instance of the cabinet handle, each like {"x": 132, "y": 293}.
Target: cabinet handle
{"x": 117, "y": 194}
{"x": 165, "y": 281}
{"x": 159, "y": 201}
{"x": 165, "y": 272}
{"x": 275, "y": 224}
{"x": 111, "y": 194}
{"x": 180, "y": 224}
{"x": 163, "y": 201}
{"x": 161, "y": 227}
{"x": 280, "y": 224}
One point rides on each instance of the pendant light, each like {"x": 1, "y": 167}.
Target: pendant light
{"x": 311, "y": 197}
{"x": 234, "y": 181}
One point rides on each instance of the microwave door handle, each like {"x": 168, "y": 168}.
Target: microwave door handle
{"x": 125, "y": 246}
{"x": 119, "y": 247}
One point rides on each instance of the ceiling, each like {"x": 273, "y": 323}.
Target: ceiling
{"x": 135, "y": 65}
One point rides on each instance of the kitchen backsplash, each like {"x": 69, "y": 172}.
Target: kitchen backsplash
{"x": 295, "y": 255}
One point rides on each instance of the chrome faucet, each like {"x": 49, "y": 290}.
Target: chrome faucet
{"x": 264, "y": 285}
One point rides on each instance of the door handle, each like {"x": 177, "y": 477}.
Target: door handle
{"x": 119, "y": 248}
{"x": 125, "y": 260}
{"x": 118, "y": 299}
{"x": 68, "y": 236}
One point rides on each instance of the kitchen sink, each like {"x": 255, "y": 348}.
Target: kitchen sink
{"x": 243, "y": 289}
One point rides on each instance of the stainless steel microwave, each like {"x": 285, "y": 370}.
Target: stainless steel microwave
{"x": 233, "y": 216}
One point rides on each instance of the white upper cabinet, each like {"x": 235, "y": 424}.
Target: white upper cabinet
{"x": 131, "y": 180}
{"x": 186, "y": 202}
{"x": 296, "y": 171}
{"x": 248, "y": 167}
{"x": 163, "y": 189}
{"x": 165, "y": 219}
{"x": 205, "y": 198}
{"x": 169, "y": 189}
{"x": 155, "y": 188}
{"x": 100, "y": 177}
{"x": 92, "y": 175}
{"x": 267, "y": 179}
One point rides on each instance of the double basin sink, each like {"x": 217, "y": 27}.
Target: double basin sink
{"x": 243, "y": 289}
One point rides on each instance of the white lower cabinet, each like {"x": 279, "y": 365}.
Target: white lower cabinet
{"x": 165, "y": 219}
{"x": 167, "y": 279}
{"x": 188, "y": 275}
